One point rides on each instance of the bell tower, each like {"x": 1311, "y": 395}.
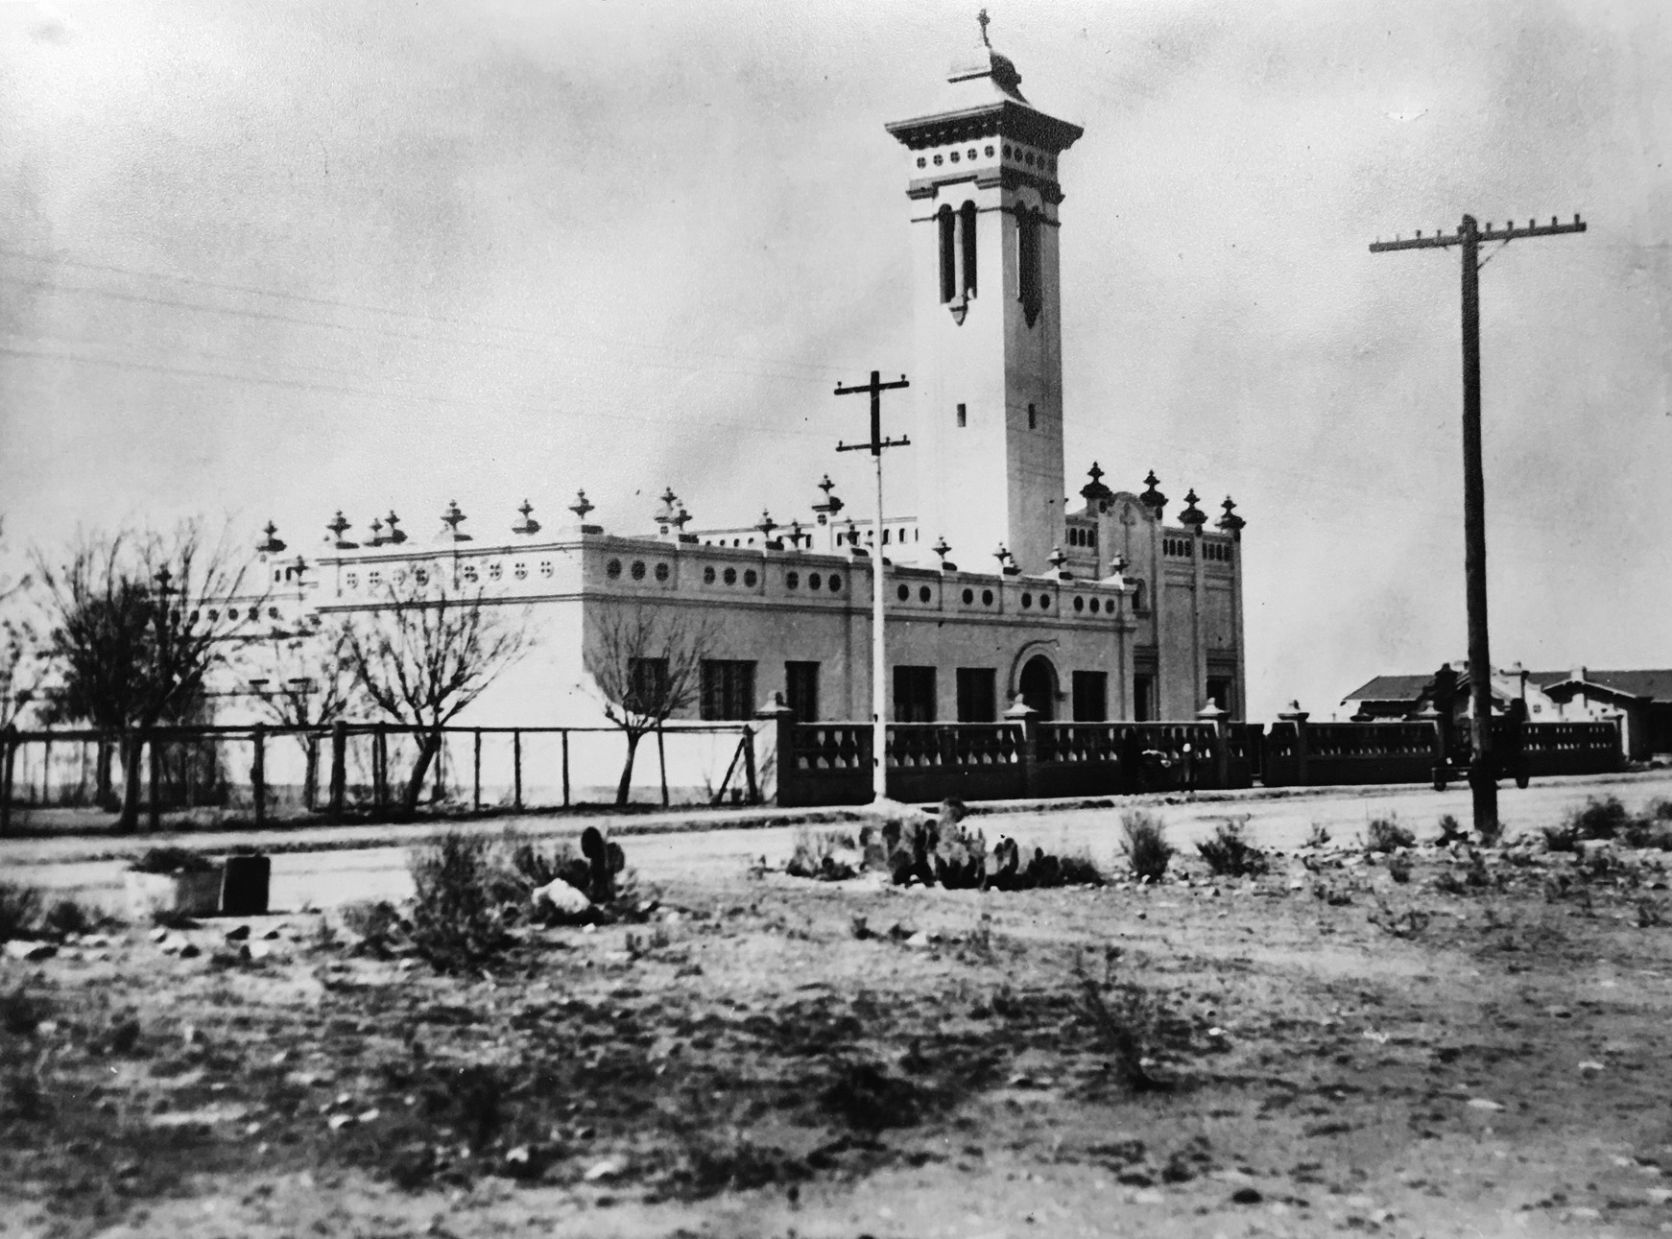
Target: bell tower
{"x": 983, "y": 193}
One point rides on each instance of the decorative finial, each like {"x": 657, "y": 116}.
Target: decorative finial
{"x": 680, "y": 519}
{"x": 1056, "y": 558}
{"x": 1153, "y": 498}
{"x": 271, "y": 544}
{"x": 1231, "y": 523}
{"x": 1192, "y": 515}
{"x": 392, "y": 523}
{"x": 451, "y": 518}
{"x": 941, "y": 548}
{"x": 339, "y": 528}
{"x": 581, "y": 506}
{"x": 766, "y": 524}
{"x": 984, "y": 20}
{"x": 377, "y": 532}
{"x": 527, "y": 525}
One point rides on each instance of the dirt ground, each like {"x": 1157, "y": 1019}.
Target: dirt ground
{"x": 1474, "y": 1050}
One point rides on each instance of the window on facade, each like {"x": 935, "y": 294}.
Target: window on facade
{"x": 1033, "y": 418}
{"x": 728, "y": 689}
{"x": 1030, "y": 281}
{"x": 948, "y": 229}
{"x": 966, "y": 222}
{"x": 914, "y": 694}
{"x": 1143, "y": 697}
{"x": 647, "y": 684}
{"x": 963, "y": 417}
{"x": 1219, "y": 692}
{"x": 1091, "y": 697}
{"x": 801, "y": 690}
{"x": 977, "y": 695}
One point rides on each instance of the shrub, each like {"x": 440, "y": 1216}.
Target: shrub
{"x": 816, "y": 855}
{"x": 1399, "y": 869}
{"x": 1318, "y": 836}
{"x": 1229, "y": 854}
{"x": 1603, "y": 818}
{"x": 1562, "y": 838}
{"x": 172, "y": 860}
{"x": 1451, "y": 831}
{"x": 375, "y": 926}
{"x": 20, "y": 910}
{"x": 1659, "y": 809}
{"x": 458, "y": 920}
{"x": 1079, "y": 869}
{"x": 533, "y": 867}
{"x": 1385, "y": 834}
{"x": 1145, "y": 845}
{"x": 66, "y": 916}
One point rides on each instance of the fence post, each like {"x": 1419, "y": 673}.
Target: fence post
{"x": 516, "y": 764}
{"x": 662, "y": 763}
{"x": 1213, "y": 715}
{"x": 1020, "y": 712}
{"x": 258, "y": 772}
{"x": 380, "y": 766}
{"x": 779, "y": 760}
{"x": 8, "y": 748}
{"x": 339, "y": 769}
{"x": 565, "y": 768}
{"x": 440, "y": 766}
{"x": 155, "y": 753}
{"x": 46, "y": 772}
{"x": 476, "y": 783}
{"x": 1297, "y": 716}
{"x": 1431, "y": 716}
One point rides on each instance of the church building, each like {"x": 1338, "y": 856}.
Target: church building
{"x": 1089, "y": 608}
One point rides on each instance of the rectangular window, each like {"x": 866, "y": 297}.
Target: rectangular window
{"x": 801, "y": 690}
{"x": 977, "y": 695}
{"x": 1091, "y": 697}
{"x": 948, "y": 254}
{"x": 1033, "y": 418}
{"x": 963, "y": 417}
{"x": 1219, "y": 692}
{"x": 647, "y": 686}
{"x": 1143, "y": 698}
{"x": 728, "y": 689}
{"x": 914, "y": 694}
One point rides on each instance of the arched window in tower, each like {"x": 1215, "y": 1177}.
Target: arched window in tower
{"x": 966, "y": 229}
{"x": 948, "y": 228}
{"x": 1030, "y": 280}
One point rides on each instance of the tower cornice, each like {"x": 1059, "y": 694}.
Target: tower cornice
{"x": 1003, "y": 118}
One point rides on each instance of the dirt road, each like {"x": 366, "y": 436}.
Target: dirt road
{"x": 328, "y": 879}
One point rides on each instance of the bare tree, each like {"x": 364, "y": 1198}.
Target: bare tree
{"x": 20, "y": 652}
{"x": 647, "y": 664}
{"x": 137, "y": 621}
{"x": 425, "y": 653}
{"x": 305, "y": 679}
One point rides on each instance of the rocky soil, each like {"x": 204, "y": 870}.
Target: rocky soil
{"x": 1444, "y": 1042}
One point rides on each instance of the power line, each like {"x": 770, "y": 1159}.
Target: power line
{"x": 442, "y": 320}
{"x": 336, "y": 389}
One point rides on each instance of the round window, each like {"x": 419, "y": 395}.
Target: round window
{"x": 1079, "y": 604}
{"x": 730, "y": 576}
{"x": 986, "y": 597}
{"x": 923, "y": 594}
{"x": 1044, "y": 602}
{"x": 835, "y": 583}
{"x": 969, "y": 596}
{"x": 792, "y": 580}
{"x": 662, "y": 572}
{"x": 708, "y": 575}
{"x": 611, "y": 569}
{"x": 903, "y": 593}
{"x": 1027, "y": 601}
{"x": 749, "y": 577}
{"x": 638, "y": 569}
{"x": 1094, "y": 606}
{"x": 814, "y": 580}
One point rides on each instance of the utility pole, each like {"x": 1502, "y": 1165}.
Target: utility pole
{"x": 1483, "y": 776}
{"x": 879, "y": 666}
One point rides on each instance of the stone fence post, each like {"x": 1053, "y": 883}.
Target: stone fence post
{"x": 1020, "y": 712}
{"x": 1211, "y": 713}
{"x": 774, "y": 752}
{"x": 1294, "y": 714}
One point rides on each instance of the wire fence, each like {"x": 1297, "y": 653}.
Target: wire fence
{"x": 260, "y": 774}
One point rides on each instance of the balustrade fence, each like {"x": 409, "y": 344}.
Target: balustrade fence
{"x": 260, "y": 773}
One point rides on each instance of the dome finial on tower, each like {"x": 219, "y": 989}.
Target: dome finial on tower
{"x": 984, "y": 20}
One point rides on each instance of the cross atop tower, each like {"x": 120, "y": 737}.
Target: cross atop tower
{"x": 984, "y": 20}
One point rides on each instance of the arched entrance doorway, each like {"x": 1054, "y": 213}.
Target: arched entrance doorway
{"x": 1038, "y": 687}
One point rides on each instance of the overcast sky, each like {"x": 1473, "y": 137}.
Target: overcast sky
{"x": 263, "y": 260}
